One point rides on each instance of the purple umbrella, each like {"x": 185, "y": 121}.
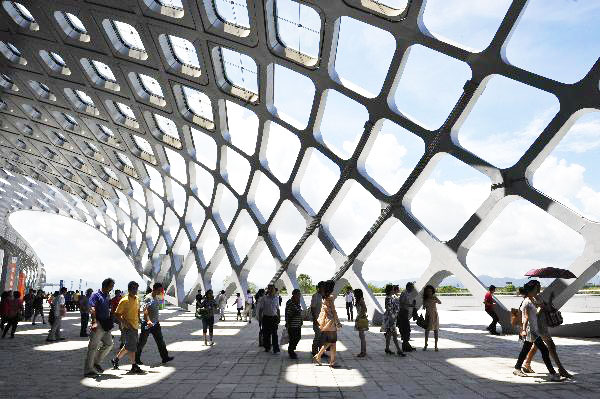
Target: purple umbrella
{"x": 550, "y": 272}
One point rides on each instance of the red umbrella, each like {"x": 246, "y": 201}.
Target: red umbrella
{"x": 550, "y": 272}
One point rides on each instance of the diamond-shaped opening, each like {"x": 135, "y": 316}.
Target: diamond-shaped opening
{"x": 448, "y": 198}
{"x": 55, "y": 62}
{"x": 123, "y": 201}
{"x": 208, "y": 242}
{"x": 398, "y": 253}
{"x": 242, "y": 127}
{"x": 159, "y": 208}
{"x": 238, "y": 73}
{"x": 293, "y": 96}
{"x": 234, "y": 12}
{"x": 196, "y": 107}
{"x": 21, "y": 15}
{"x": 353, "y": 199}
{"x": 225, "y": 207}
{"x": 12, "y": 53}
{"x": 138, "y": 192}
{"x": 147, "y": 88}
{"x": 506, "y": 120}
{"x": 169, "y": 8}
{"x": 315, "y": 167}
{"x": 177, "y": 166}
{"x": 287, "y": 228}
{"x": 317, "y": 263}
{"x": 125, "y": 39}
{"x": 194, "y": 217}
{"x": 205, "y": 184}
{"x": 41, "y": 90}
{"x": 81, "y": 101}
{"x": 156, "y": 180}
{"x": 428, "y": 86}
{"x": 556, "y": 39}
{"x": 569, "y": 173}
{"x": 298, "y": 28}
{"x": 191, "y": 278}
{"x": 100, "y": 74}
{"x": 394, "y": 154}
{"x": 263, "y": 269}
{"x": 521, "y": 238}
{"x": 235, "y": 169}
{"x": 205, "y": 148}
{"x": 242, "y": 236}
{"x": 179, "y": 197}
{"x": 122, "y": 114}
{"x": 143, "y": 144}
{"x": 468, "y": 24}
{"x": 72, "y": 26}
{"x": 181, "y": 55}
{"x": 7, "y": 83}
{"x": 281, "y": 152}
{"x": 164, "y": 129}
{"x": 170, "y": 224}
{"x": 221, "y": 274}
{"x": 263, "y": 196}
{"x": 182, "y": 244}
{"x": 373, "y": 46}
{"x": 341, "y": 123}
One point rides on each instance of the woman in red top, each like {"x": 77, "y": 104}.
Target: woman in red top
{"x": 489, "y": 303}
{"x": 13, "y": 310}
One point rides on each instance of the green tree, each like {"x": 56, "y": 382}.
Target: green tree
{"x": 305, "y": 283}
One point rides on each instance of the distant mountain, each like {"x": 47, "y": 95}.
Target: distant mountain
{"x": 454, "y": 282}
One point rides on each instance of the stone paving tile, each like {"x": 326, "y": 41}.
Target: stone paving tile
{"x": 470, "y": 364}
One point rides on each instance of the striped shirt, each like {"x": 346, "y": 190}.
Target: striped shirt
{"x": 293, "y": 314}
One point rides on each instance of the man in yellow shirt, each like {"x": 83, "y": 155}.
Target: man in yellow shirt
{"x": 128, "y": 314}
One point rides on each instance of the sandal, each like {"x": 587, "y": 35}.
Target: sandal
{"x": 527, "y": 369}
{"x": 316, "y": 360}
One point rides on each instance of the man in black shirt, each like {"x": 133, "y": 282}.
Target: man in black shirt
{"x": 198, "y": 298}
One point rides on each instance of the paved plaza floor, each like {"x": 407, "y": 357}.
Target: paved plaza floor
{"x": 470, "y": 364}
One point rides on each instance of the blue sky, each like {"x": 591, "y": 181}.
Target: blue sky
{"x": 554, "y": 38}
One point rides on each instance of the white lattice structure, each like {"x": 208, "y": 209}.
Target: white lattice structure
{"x": 104, "y": 103}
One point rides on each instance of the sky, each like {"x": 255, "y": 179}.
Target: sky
{"x": 554, "y": 38}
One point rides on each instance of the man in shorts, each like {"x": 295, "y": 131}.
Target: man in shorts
{"x": 128, "y": 314}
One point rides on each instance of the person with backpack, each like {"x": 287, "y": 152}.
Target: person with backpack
{"x": 13, "y": 312}
{"x": 101, "y": 341}
{"x": 206, "y": 313}
{"x": 544, "y": 332}
{"x": 151, "y": 325}
{"x": 530, "y": 333}
{"x": 59, "y": 311}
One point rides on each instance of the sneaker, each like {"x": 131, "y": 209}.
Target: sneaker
{"x": 90, "y": 374}
{"x": 167, "y": 360}
{"x": 50, "y": 340}
{"x": 519, "y": 373}
{"x": 115, "y": 363}
{"x": 293, "y": 355}
{"x": 61, "y": 339}
{"x": 98, "y": 368}
{"x": 555, "y": 377}
{"x": 135, "y": 369}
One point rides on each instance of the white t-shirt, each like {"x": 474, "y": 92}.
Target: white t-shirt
{"x": 532, "y": 327}
{"x": 349, "y": 297}
{"x": 60, "y": 300}
{"x": 249, "y": 299}
{"x": 240, "y": 302}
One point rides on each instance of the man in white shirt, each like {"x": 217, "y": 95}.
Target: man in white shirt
{"x": 239, "y": 302}
{"x": 248, "y": 306}
{"x": 315, "y": 308}
{"x": 60, "y": 311}
{"x": 408, "y": 300}
{"x": 269, "y": 314}
{"x": 222, "y": 302}
{"x": 350, "y": 304}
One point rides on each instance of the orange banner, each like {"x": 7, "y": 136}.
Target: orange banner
{"x": 21, "y": 286}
